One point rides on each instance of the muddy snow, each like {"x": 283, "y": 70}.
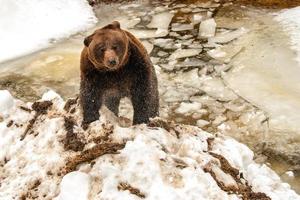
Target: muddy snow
{"x": 155, "y": 161}
{"x": 230, "y": 70}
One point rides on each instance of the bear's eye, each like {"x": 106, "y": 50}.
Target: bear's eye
{"x": 115, "y": 47}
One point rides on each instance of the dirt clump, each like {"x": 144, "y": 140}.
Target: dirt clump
{"x": 107, "y": 130}
{"x": 40, "y": 108}
{"x": 132, "y": 190}
{"x": 10, "y": 123}
{"x": 71, "y": 141}
{"x": 25, "y": 108}
{"x": 70, "y": 103}
{"x": 167, "y": 125}
{"x": 243, "y": 189}
{"x": 272, "y": 4}
{"x": 93, "y": 153}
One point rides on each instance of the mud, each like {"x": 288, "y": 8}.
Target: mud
{"x": 243, "y": 188}
{"x": 91, "y": 154}
{"x": 19, "y": 86}
{"x": 71, "y": 141}
{"x": 69, "y": 104}
{"x": 107, "y": 130}
{"x": 32, "y": 191}
{"x": 132, "y": 190}
{"x": 10, "y": 123}
{"x": 273, "y": 4}
{"x": 167, "y": 125}
{"x": 40, "y": 108}
{"x": 25, "y": 109}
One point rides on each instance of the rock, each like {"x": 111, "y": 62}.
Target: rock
{"x": 207, "y": 28}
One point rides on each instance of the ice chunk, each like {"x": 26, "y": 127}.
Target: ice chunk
{"x": 290, "y": 174}
{"x": 185, "y": 108}
{"x": 216, "y": 53}
{"x": 197, "y": 18}
{"x": 143, "y": 34}
{"x": 148, "y": 46}
{"x": 214, "y": 87}
{"x": 165, "y": 43}
{"x": 191, "y": 62}
{"x": 186, "y": 10}
{"x": 228, "y": 36}
{"x": 202, "y": 123}
{"x": 207, "y": 28}
{"x": 6, "y": 101}
{"x": 126, "y": 7}
{"x": 161, "y": 21}
{"x": 127, "y": 23}
{"x": 183, "y": 53}
{"x": 75, "y": 186}
{"x": 182, "y": 27}
{"x": 208, "y": 4}
{"x": 170, "y": 65}
{"x": 162, "y": 54}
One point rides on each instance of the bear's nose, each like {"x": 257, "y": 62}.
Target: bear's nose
{"x": 112, "y": 62}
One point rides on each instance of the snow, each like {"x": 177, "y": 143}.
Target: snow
{"x": 156, "y": 163}
{"x": 290, "y": 21}
{"x": 30, "y": 25}
{"x": 75, "y": 186}
{"x": 6, "y": 101}
{"x": 290, "y": 174}
{"x": 207, "y": 28}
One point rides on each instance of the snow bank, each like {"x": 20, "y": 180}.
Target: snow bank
{"x": 29, "y": 25}
{"x": 290, "y": 20}
{"x": 58, "y": 160}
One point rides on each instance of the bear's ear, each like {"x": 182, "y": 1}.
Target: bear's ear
{"x": 88, "y": 40}
{"x": 113, "y": 25}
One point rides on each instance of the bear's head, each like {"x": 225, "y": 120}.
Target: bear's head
{"x": 107, "y": 47}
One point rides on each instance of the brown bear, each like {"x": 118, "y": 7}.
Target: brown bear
{"x": 114, "y": 64}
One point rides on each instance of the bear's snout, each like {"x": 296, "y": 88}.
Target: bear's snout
{"x": 111, "y": 59}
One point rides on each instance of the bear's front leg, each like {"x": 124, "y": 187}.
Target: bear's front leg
{"x": 145, "y": 102}
{"x": 91, "y": 101}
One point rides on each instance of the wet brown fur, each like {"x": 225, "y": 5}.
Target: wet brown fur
{"x": 134, "y": 77}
